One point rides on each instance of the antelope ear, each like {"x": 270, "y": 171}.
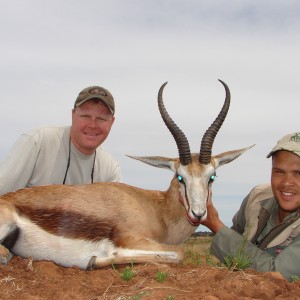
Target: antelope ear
{"x": 226, "y": 157}
{"x": 157, "y": 161}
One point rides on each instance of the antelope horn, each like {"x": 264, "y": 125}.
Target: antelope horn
{"x": 180, "y": 139}
{"x": 211, "y": 132}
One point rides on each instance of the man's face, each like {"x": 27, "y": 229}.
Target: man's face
{"x": 91, "y": 124}
{"x": 285, "y": 181}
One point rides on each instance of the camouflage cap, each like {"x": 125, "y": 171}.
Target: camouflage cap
{"x": 290, "y": 142}
{"x": 96, "y": 92}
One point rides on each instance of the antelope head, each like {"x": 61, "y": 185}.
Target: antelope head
{"x": 194, "y": 172}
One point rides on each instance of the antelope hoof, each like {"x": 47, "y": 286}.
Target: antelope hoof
{"x": 92, "y": 264}
{"x": 5, "y": 256}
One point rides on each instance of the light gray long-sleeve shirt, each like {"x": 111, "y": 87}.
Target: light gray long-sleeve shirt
{"x": 40, "y": 157}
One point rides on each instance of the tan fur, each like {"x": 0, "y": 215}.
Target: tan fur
{"x": 128, "y": 217}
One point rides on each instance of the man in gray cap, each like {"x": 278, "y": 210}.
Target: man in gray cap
{"x": 266, "y": 229}
{"x": 65, "y": 155}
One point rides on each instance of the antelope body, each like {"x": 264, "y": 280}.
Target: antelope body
{"x": 95, "y": 225}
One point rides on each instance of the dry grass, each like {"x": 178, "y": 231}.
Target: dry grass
{"x": 197, "y": 252}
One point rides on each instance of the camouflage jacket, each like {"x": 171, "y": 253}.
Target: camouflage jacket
{"x": 269, "y": 247}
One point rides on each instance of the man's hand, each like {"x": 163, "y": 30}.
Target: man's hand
{"x": 212, "y": 221}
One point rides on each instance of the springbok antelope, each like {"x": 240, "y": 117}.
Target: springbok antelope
{"x": 96, "y": 225}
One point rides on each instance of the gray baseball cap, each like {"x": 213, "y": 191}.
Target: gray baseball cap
{"x": 290, "y": 142}
{"x": 96, "y": 92}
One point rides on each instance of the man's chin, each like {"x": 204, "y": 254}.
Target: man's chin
{"x": 92, "y": 141}
{"x": 90, "y": 147}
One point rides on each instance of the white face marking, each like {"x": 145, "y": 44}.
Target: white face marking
{"x": 194, "y": 191}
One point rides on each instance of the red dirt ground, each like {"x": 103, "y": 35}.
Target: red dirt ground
{"x": 28, "y": 280}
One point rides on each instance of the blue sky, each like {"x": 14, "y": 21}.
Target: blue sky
{"x": 50, "y": 50}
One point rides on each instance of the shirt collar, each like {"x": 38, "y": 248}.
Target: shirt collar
{"x": 272, "y": 206}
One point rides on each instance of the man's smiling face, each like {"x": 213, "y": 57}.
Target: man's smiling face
{"x": 91, "y": 124}
{"x": 285, "y": 180}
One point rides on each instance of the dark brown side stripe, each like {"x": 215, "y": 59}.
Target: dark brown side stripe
{"x": 69, "y": 224}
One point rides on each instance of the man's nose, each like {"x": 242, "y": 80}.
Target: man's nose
{"x": 288, "y": 179}
{"x": 92, "y": 122}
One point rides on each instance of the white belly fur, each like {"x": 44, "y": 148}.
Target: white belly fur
{"x": 40, "y": 245}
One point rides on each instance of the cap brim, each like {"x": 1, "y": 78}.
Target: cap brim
{"x": 276, "y": 150}
{"x": 95, "y": 97}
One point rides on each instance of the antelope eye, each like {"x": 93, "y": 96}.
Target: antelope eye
{"x": 180, "y": 179}
{"x": 212, "y": 178}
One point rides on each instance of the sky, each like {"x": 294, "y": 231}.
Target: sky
{"x": 51, "y": 50}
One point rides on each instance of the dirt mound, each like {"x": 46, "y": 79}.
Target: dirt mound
{"x": 197, "y": 278}
{"x": 28, "y": 280}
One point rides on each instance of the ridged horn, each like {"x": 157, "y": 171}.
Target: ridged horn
{"x": 210, "y": 134}
{"x": 180, "y": 139}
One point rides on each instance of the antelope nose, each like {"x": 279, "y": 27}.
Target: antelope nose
{"x": 198, "y": 216}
